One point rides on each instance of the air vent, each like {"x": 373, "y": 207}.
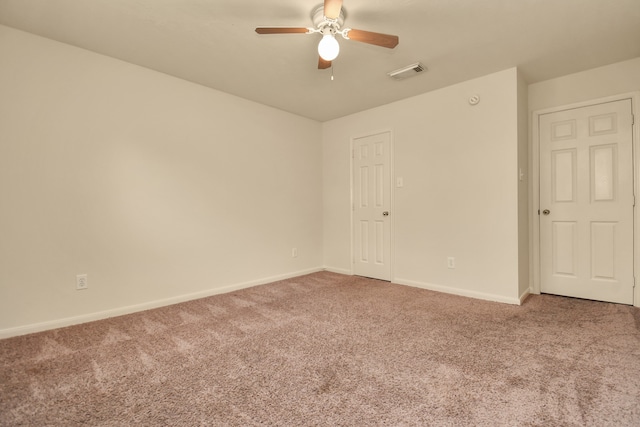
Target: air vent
{"x": 408, "y": 71}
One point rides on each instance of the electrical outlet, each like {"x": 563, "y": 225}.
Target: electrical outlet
{"x": 294, "y": 253}
{"x": 81, "y": 282}
{"x": 451, "y": 262}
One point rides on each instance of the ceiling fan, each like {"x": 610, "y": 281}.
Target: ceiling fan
{"x": 328, "y": 20}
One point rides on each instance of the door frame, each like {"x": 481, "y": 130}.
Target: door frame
{"x": 534, "y": 198}
{"x": 352, "y": 200}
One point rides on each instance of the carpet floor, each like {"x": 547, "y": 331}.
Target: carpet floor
{"x": 333, "y": 350}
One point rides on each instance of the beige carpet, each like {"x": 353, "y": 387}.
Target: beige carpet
{"x": 333, "y": 350}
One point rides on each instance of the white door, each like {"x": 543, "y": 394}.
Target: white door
{"x": 371, "y": 203}
{"x": 586, "y": 202}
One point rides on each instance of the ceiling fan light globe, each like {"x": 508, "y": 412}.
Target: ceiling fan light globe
{"x": 328, "y": 48}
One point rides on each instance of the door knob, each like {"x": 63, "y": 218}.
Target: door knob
{"x": 546, "y": 212}
{"x": 385, "y": 213}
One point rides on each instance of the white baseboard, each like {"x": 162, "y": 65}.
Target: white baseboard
{"x": 60, "y": 323}
{"x": 458, "y": 291}
{"x": 337, "y": 270}
{"x": 524, "y": 295}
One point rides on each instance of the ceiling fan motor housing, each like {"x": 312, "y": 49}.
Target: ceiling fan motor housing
{"x": 320, "y": 21}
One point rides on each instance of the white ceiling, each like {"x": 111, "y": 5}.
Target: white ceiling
{"x": 213, "y": 43}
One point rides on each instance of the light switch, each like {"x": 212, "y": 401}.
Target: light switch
{"x": 399, "y": 182}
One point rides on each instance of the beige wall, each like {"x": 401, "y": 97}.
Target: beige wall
{"x": 161, "y": 190}
{"x": 621, "y": 77}
{"x": 524, "y": 211}
{"x": 158, "y": 189}
{"x": 460, "y": 196}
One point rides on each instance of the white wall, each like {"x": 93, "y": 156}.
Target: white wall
{"x": 158, "y": 189}
{"x": 460, "y": 196}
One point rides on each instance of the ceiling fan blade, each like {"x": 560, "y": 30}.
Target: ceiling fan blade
{"x": 323, "y": 64}
{"x": 281, "y": 30}
{"x": 378, "y": 39}
{"x": 332, "y": 8}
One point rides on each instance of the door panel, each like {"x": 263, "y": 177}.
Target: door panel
{"x": 603, "y": 250}
{"x": 586, "y": 198}
{"x": 565, "y": 249}
{"x": 564, "y": 175}
{"x": 604, "y": 162}
{"x": 372, "y": 198}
